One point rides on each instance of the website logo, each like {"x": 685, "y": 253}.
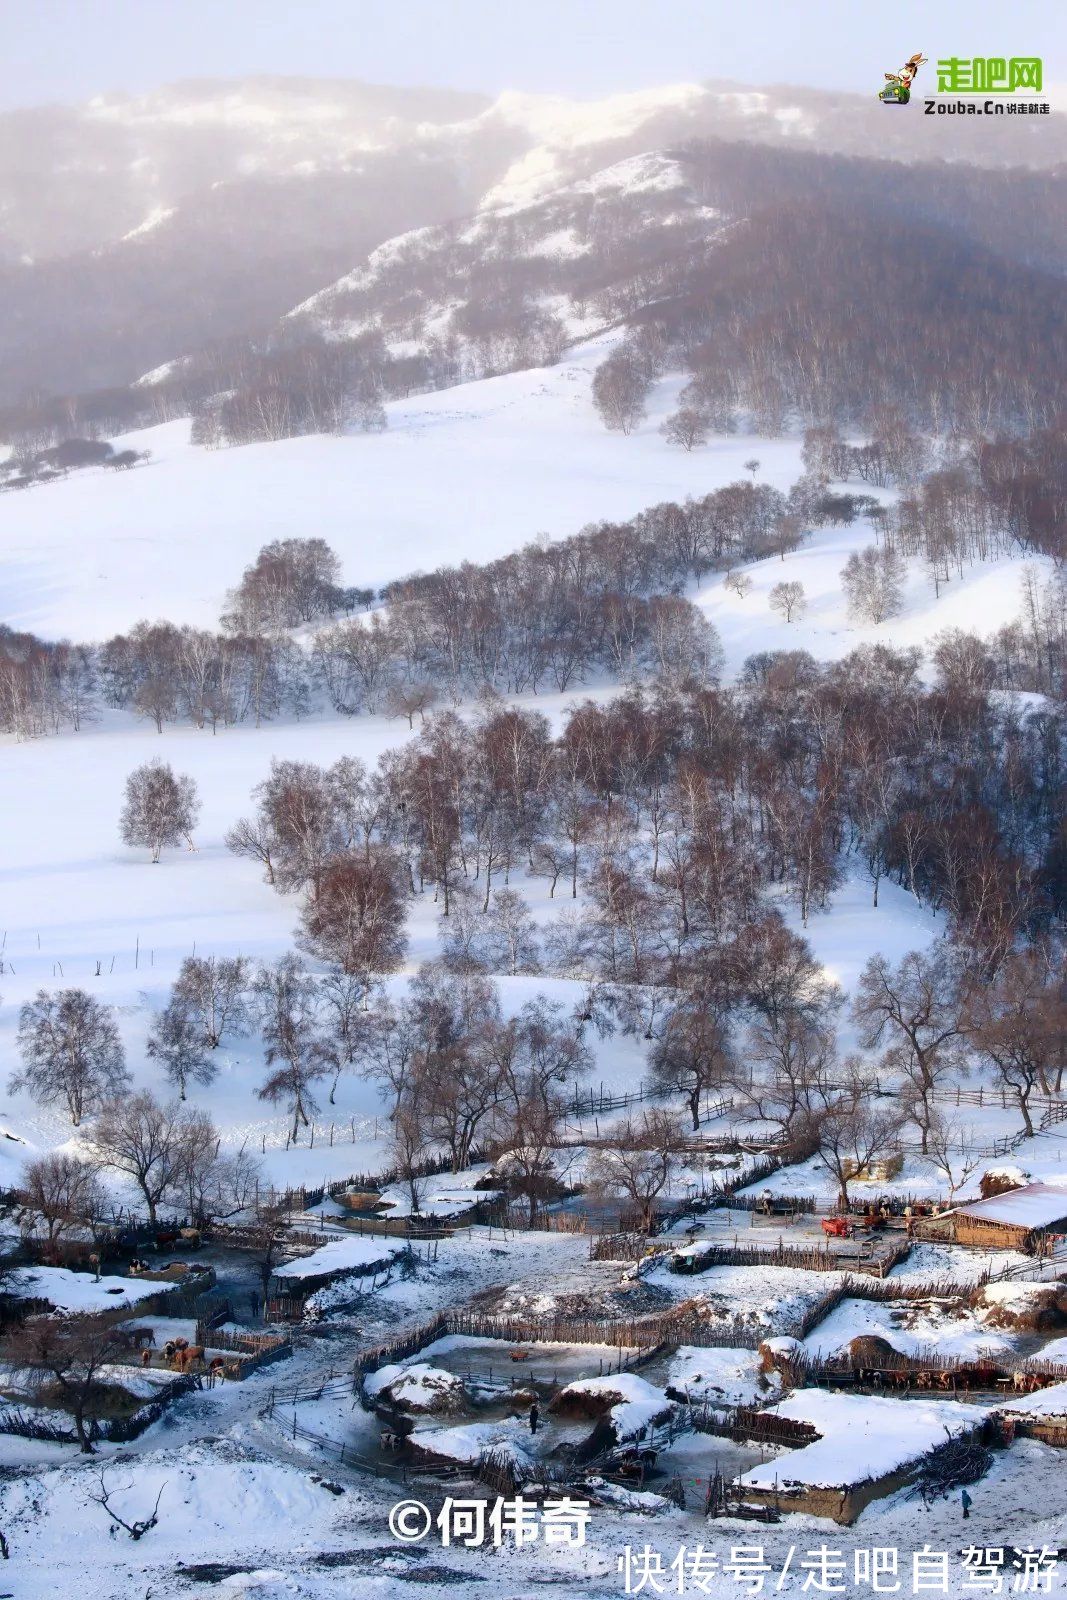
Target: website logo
{"x": 1019, "y": 79}
{"x": 897, "y": 91}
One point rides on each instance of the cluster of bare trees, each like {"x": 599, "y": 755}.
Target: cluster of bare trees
{"x": 282, "y": 390}
{"x": 291, "y": 581}
{"x": 685, "y": 806}
{"x": 460, "y": 1076}
{"x": 607, "y": 599}
{"x": 169, "y": 1154}
{"x": 44, "y": 687}
{"x": 164, "y": 673}
{"x": 758, "y": 322}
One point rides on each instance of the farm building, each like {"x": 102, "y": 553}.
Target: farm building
{"x": 1019, "y": 1219}
{"x": 1042, "y": 1415}
{"x": 59, "y": 1290}
{"x": 867, "y": 1447}
{"x": 351, "y": 1256}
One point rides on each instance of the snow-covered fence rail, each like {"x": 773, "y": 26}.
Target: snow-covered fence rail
{"x": 813, "y": 1259}
{"x": 255, "y": 1349}
{"x": 625, "y": 1247}
{"x": 347, "y": 1456}
{"x": 638, "y": 1335}
{"x": 746, "y": 1424}
{"x": 370, "y": 1183}
{"x": 407, "y": 1344}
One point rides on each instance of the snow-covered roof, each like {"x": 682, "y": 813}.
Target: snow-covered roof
{"x": 79, "y": 1291}
{"x": 1050, "y": 1402}
{"x": 637, "y": 1405}
{"x": 1036, "y": 1205}
{"x": 864, "y": 1438}
{"x": 356, "y": 1254}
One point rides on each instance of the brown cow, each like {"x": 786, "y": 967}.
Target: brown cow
{"x": 192, "y": 1355}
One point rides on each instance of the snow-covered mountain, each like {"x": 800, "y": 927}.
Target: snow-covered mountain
{"x": 134, "y": 229}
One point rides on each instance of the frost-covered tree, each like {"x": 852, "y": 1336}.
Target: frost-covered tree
{"x": 620, "y": 389}
{"x": 296, "y": 1050}
{"x": 687, "y": 427}
{"x": 176, "y": 1041}
{"x": 513, "y": 938}
{"x": 788, "y": 600}
{"x": 161, "y": 808}
{"x": 356, "y": 920}
{"x": 873, "y": 579}
{"x": 214, "y": 991}
{"x": 71, "y": 1052}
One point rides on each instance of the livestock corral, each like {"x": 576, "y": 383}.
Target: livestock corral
{"x": 736, "y": 1357}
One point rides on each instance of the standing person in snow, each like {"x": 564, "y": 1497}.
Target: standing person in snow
{"x": 534, "y": 1417}
{"x": 965, "y": 1502}
{"x": 253, "y": 1301}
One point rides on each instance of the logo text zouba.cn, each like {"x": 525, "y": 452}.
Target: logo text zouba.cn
{"x": 989, "y": 75}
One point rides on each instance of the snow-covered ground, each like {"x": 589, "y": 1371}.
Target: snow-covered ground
{"x": 469, "y": 473}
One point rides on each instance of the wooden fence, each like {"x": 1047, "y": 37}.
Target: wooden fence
{"x": 815, "y": 1259}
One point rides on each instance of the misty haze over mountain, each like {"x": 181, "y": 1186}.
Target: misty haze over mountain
{"x": 136, "y": 230}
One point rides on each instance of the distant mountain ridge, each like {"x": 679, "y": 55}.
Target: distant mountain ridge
{"x": 135, "y": 230}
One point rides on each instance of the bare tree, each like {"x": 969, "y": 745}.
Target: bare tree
{"x": 65, "y": 1355}
{"x": 620, "y": 389}
{"x": 254, "y": 838}
{"x": 513, "y": 944}
{"x": 142, "y": 1138}
{"x": 640, "y": 1166}
{"x": 161, "y": 808}
{"x": 788, "y": 599}
{"x": 955, "y": 1151}
{"x": 407, "y": 1148}
{"x": 346, "y": 1004}
{"x": 296, "y": 1050}
{"x": 410, "y": 700}
{"x": 176, "y": 1041}
{"x": 739, "y": 583}
{"x": 693, "y": 1055}
{"x": 873, "y": 580}
{"x": 213, "y": 1185}
{"x": 687, "y": 427}
{"x": 65, "y": 1192}
{"x": 356, "y": 921}
{"x": 213, "y": 990}
{"x": 854, "y": 1126}
{"x": 1018, "y": 1022}
{"x": 140, "y": 1525}
{"x": 71, "y": 1052}
{"x": 918, "y": 1006}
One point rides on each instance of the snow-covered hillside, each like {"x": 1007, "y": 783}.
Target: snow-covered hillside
{"x": 469, "y": 473}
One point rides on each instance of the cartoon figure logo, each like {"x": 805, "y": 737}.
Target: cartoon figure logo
{"x": 897, "y": 91}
